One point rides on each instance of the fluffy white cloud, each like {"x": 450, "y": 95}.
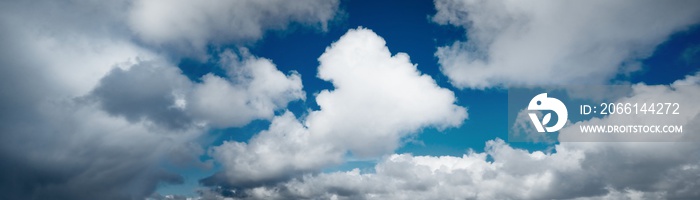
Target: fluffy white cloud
{"x": 605, "y": 172}
{"x": 513, "y": 174}
{"x": 255, "y": 90}
{"x": 584, "y": 170}
{"x": 192, "y": 25}
{"x": 377, "y": 100}
{"x": 554, "y": 42}
{"x": 286, "y": 149}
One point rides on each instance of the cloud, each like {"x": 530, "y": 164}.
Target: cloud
{"x": 54, "y": 146}
{"x": 57, "y": 147}
{"x": 254, "y": 89}
{"x": 147, "y": 90}
{"x": 608, "y": 172}
{"x": 192, "y": 25}
{"x": 536, "y": 43}
{"x": 88, "y": 113}
{"x": 71, "y": 150}
{"x": 152, "y": 92}
{"x": 513, "y": 173}
{"x": 159, "y": 92}
{"x": 283, "y": 151}
{"x": 377, "y": 100}
{"x": 571, "y": 170}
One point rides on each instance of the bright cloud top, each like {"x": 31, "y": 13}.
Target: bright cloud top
{"x": 378, "y": 98}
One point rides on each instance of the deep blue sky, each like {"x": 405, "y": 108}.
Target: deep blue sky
{"x": 407, "y": 27}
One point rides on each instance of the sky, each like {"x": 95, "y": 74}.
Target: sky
{"x": 338, "y": 99}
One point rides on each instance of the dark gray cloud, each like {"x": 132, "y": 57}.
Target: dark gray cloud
{"x": 53, "y": 146}
{"x": 144, "y": 91}
{"x": 102, "y": 174}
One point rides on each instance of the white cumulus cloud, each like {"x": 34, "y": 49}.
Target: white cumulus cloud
{"x": 254, "y": 90}
{"x": 378, "y": 98}
{"x": 554, "y": 42}
{"x": 285, "y": 150}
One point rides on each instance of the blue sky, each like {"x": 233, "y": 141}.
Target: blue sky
{"x": 215, "y": 99}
